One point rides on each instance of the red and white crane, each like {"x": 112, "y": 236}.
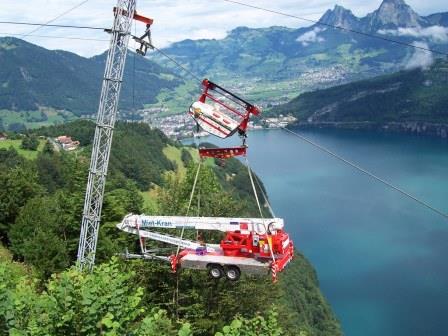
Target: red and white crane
{"x": 251, "y": 245}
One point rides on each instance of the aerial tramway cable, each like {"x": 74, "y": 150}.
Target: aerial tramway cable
{"x": 58, "y": 37}
{"x": 242, "y": 4}
{"x": 365, "y": 172}
{"x": 176, "y": 291}
{"x": 259, "y": 206}
{"x": 189, "y": 204}
{"x": 48, "y": 24}
{"x": 266, "y": 199}
{"x": 133, "y": 72}
{"x": 55, "y": 18}
{"x": 339, "y": 157}
{"x": 348, "y": 30}
{"x": 178, "y": 64}
{"x": 51, "y": 25}
{"x": 253, "y": 186}
{"x": 301, "y": 137}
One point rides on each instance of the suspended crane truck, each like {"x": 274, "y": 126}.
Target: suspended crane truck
{"x": 251, "y": 245}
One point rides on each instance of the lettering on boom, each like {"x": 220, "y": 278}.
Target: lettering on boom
{"x": 156, "y": 223}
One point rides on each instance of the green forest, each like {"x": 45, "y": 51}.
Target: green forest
{"x": 43, "y": 293}
{"x": 33, "y": 77}
{"x": 406, "y": 96}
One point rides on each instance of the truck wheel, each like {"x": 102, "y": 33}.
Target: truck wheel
{"x": 215, "y": 271}
{"x": 233, "y": 273}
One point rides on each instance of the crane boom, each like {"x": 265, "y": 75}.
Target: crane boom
{"x": 107, "y": 111}
{"x": 169, "y": 239}
{"x": 223, "y": 224}
{"x": 252, "y": 245}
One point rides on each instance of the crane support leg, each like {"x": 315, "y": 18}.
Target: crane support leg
{"x": 107, "y": 111}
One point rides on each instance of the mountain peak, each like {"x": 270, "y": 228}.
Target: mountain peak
{"x": 393, "y": 14}
{"x": 395, "y": 2}
{"x": 339, "y": 16}
{"x": 238, "y": 31}
{"x": 10, "y": 41}
{"x": 339, "y": 8}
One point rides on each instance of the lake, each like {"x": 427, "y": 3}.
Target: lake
{"x": 380, "y": 257}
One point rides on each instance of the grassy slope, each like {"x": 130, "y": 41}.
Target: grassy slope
{"x": 177, "y": 100}
{"x": 34, "y": 119}
{"x": 28, "y": 154}
{"x": 5, "y": 255}
{"x": 18, "y": 268}
{"x": 173, "y": 154}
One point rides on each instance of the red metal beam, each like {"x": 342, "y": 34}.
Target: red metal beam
{"x": 222, "y": 153}
{"x": 143, "y": 19}
{"x": 137, "y": 17}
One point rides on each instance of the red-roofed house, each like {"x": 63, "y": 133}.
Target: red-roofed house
{"x": 67, "y": 143}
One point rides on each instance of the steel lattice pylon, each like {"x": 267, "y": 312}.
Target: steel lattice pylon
{"x": 107, "y": 111}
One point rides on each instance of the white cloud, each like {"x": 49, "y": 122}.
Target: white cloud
{"x": 311, "y": 37}
{"x": 436, "y": 34}
{"x": 174, "y": 19}
{"x": 421, "y": 58}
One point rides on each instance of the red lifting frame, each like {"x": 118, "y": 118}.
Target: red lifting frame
{"x": 137, "y": 17}
{"x": 143, "y": 19}
{"x": 222, "y": 153}
{"x": 248, "y": 107}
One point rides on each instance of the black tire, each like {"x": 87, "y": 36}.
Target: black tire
{"x": 215, "y": 271}
{"x": 233, "y": 273}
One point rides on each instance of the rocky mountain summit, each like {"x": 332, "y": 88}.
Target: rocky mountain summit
{"x": 318, "y": 55}
{"x": 340, "y": 17}
{"x": 391, "y": 14}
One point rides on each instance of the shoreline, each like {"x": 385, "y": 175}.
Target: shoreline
{"x": 439, "y": 130}
{"x": 422, "y": 129}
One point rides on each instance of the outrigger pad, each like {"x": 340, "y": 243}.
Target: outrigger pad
{"x": 222, "y": 153}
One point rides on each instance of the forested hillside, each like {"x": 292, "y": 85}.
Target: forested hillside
{"x": 41, "y": 205}
{"x": 407, "y": 97}
{"x": 38, "y": 85}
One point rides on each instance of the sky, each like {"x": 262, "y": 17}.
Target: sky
{"x": 175, "y": 20}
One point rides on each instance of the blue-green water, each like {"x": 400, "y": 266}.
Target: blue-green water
{"x": 381, "y": 258}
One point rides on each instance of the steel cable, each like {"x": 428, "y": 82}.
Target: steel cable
{"x": 366, "y": 172}
{"x": 349, "y": 30}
